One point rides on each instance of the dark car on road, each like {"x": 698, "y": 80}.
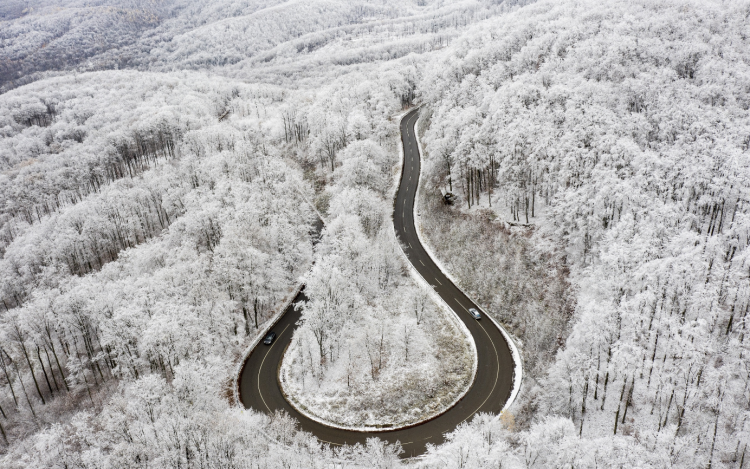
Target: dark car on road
{"x": 474, "y": 313}
{"x": 270, "y": 337}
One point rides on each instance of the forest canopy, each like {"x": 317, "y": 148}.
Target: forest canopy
{"x": 164, "y": 165}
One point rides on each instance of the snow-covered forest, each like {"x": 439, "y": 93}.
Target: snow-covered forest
{"x": 374, "y": 349}
{"x": 152, "y": 246}
{"x": 273, "y": 41}
{"x": 154, "y": 221}
{"x": 620, "y": 133}
{"x": 163, "y": 165}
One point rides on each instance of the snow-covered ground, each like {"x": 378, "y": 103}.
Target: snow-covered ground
{"x": 150, "y": 218}
{"x": 399, "y": 357}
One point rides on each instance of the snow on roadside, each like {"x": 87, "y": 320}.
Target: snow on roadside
{"x": 406, "y": 394}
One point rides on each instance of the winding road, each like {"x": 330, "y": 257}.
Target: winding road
{"x": 258, "y": 383}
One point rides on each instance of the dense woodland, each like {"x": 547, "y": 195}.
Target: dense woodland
{"x": 274, "y": 41}
{"x": 154, "y": 216}
{"x": 158, "y": 251}
{"x": 628, "y": 126}
{"x": 161, "y": 254}
{"x": 374, "y": 349}
{"x": 152, "y": 223}
{"x": 525, "y": 289}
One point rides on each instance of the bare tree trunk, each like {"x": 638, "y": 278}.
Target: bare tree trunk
{"x": 713, "y": 441}
{"x": 489, "y": 187}
{"x": 44, "y": 370}
{"x": 583, "y": 406}
{"x": 666, "y": 416}
{"x": 246, "y": 315}
{"x": 466, "y": 190}
{"x": 380, "y": 349}
{"x": 7, "y": 377}
{"x": 450, "y": 179}
{"x": 630, "y": 399}
{"x": 742, "y": 459}
{"x": 619, "y": 404}
{"x": 526, "y": 208}
{"x": 51, "y": 370}
{"x": 31, "y": 367}
{"x": 596, "y": 382}
{"x": 23, "y": 387}
{"x": 54, "y": 353}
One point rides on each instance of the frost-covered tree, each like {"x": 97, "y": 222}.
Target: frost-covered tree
{"x": 616, "y": 135}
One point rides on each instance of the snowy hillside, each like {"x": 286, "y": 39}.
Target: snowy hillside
{"x": 628, "y": 125}
{"x": 229, "y": 37}
{"x": 151, "y": 224}
{"x": 164, "y": 165}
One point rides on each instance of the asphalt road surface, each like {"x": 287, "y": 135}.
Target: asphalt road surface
{"x": 259, "y": 388}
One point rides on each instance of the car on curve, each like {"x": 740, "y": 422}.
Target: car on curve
{"x": 270, "y": 337}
